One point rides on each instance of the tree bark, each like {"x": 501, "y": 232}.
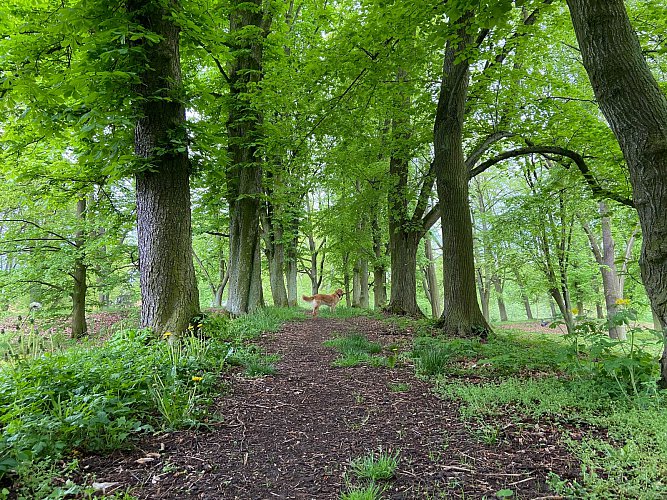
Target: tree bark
{"x": 169, "y": 295}
{"x": 244, "y": 175}
{"x": 612, "y": 285}
{"x": 363, "y": 283}
{"x": 275, "y": 255}
{"x": 498, "y": 287}
{"x": 524, "y": 296}
{"x": 431, "y": 279}
{"x": 636, "y": 109}
{"x": 379, "y": 268}
{"x": 404, "y": 234}
{"x": 461, "y": 315}
{"x": 484, "y": 293}
{"x": 79, "y": 326}
{"x": 291, "y": 265}
{"x": 403, "y": 254}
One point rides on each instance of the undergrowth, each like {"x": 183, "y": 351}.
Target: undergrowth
{"x": 355, "y": 349}
{"x": 55, "y": 404}
{"x": 581, "y": 380}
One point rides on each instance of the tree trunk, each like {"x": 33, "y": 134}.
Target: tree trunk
{"x": 563, "y": 303}
{"x": 610, "y": 279}
{"x": 526, "y": 305}
{"x": 404, "y": 235}
{"x": 277, "y": 277}
{"x": 432, "y": 279}
{"x": 606, "y": 258}
{"x": 462, "y": 315}
{"x": 346, "y": 280}
{"x": 79, "y": 326}
{"x": 379, "y": 268}
{"x": 363, "y": 283}
{"x": 292, "y": 271}
{"x": 244, "y": 175}
{"x": 356, "y": 285}
{"x": 275, "y": 253}
{"x": 524, "y": 296}
{"x": 636, "y": 109}
{"x": 498, "y": 287}
{"x": 403, "y": 253}
{"x": 169, "y": 295}
{"x": 484, "y": 293}
{"x": 552, "y": 307}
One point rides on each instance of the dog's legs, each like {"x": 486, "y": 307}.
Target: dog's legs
{"x": 316, "y": 307}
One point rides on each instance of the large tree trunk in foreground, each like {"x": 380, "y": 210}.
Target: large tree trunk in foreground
{"x": 244, "y": 175}
{"x": 169, "y": 295}
{"x": 79, "y": 326}
{"x": 636, "y": 110}
{"x": 462, "y": 315}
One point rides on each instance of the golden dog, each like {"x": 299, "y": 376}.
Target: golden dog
{"x": 323, "y": 299}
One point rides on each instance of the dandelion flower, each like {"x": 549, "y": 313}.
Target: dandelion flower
{"x": 197, "y": 379}
{"x": 167, "y": 334}
{"x": 622, "y": 302}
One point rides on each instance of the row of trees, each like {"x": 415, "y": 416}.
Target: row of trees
{"x": 304, "y": 129}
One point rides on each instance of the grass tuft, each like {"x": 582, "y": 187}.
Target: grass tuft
{"x": 375, "y": 467}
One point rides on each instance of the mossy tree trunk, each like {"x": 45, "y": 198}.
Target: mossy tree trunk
{"x": 248, "y": 29}
{"x": 169, "y": 292}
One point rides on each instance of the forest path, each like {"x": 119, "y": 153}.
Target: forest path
{"x": 293, "y": 434}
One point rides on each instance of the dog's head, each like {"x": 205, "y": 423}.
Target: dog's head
{"x": 340, "y": 293}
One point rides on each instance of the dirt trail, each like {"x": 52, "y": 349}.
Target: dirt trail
{"x": 293, "y": 434}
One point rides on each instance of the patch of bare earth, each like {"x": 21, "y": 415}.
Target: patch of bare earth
{"x": 293, "y": 434}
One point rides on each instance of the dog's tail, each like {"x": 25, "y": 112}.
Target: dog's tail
{"x": 307, "y": 298}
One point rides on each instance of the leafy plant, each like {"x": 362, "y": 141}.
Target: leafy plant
{"x": 628, "y": 366}
{"x": 399, "y": 386}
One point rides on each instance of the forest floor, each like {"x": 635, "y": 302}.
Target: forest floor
{"x": 294, "y": 434}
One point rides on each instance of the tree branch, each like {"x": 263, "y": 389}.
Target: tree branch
{"x": 597, "y": 190}
{"x": 24, "y": 221}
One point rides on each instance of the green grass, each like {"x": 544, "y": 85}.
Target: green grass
{"x": 583, "y": 382}
{"x": 355, "y": 350}
{"x": 399, "y": 387}
{"x": 380, "y": 466}
{"x": 368, "y": 492}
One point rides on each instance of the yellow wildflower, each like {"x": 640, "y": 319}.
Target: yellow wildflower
{"x": 622, "y": 302}
{"x": 200, "y": 325}
{"x": 575, "y": 311}
{"x": 190, "y": 327}
{"x": 167, "y": 334}
{"x": 197, "y": 379}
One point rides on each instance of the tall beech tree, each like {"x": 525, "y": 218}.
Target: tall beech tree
{"x": 461, "y": 314}
{"x": 248, "y": 26}
{"x": 636, "y": 109}
{"x": 169, "y": 294}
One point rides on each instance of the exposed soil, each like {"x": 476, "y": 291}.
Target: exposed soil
{"x": 293, "y": 434}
